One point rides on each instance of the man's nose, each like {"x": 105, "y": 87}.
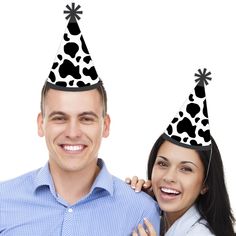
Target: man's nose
{"x": 73, "y": 129}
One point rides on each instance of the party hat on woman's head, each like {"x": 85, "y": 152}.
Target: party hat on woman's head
{"x": 73, "y": 68}
{"x": 190, "y": 127}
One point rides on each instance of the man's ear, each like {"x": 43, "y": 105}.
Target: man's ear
{"x": 106, "y": 129}
{"x": 40, "y": 125}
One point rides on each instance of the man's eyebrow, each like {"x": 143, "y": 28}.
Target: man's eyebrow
{"x": 56, "y": 113}
{"x": 90, "y": 113}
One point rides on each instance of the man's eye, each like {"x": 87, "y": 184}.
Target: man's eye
{"x": 58, "y": 118}
{"x": 87, "y": 119}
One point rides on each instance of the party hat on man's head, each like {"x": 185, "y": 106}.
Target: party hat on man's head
{"x": 73, "y": 68}
{"x": 190, "y": 127}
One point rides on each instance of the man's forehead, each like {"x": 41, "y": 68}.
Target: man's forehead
{"x": 66, "y": 101}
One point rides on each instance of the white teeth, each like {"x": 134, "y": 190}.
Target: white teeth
{"x": 73, "y": 148}
{"x": 167, "y": 190}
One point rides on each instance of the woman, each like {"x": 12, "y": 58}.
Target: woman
{"x": 187, "y": 175}
{"x": 190, "y": 189}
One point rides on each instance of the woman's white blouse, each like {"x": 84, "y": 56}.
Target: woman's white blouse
{"x": 189, "y": 224}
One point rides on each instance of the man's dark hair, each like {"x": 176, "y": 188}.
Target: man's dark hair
{"x": 101, "y": 90}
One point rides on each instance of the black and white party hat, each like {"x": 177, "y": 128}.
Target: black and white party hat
{"x": 73, "y": 68}
{"x": 190, "y": 127}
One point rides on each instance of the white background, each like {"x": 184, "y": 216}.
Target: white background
{"x": 146, "y": 52}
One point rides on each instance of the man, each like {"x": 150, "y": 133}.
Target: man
{"x": 73, "y": 194}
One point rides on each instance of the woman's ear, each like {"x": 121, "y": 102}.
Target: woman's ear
{"x": 204, "y": 189}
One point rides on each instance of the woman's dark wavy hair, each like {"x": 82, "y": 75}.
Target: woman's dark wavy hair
{"x": 214, "y": 205}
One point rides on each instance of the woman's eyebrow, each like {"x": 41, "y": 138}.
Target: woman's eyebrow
{"x": 166, "y": 159}
{"x": 189, "y": 162}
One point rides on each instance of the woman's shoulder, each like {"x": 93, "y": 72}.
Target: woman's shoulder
{"x": 200, "y": 228}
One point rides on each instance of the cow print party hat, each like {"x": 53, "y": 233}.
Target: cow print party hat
{"x": 73, "y": 68}
{"x": 190, "y": 126}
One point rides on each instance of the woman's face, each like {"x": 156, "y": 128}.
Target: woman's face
{"x": 177, "y": 178}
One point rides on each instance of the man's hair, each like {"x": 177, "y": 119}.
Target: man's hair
{"x": 101, "y": 90}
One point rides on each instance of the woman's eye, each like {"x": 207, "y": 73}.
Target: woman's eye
{"x": 161, "y": 164}
{"x": 186, "y": 169}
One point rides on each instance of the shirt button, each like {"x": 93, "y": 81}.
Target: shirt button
{"x": 70, "y": 210}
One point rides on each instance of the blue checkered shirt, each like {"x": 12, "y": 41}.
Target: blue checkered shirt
{"x": 30, "y": 206}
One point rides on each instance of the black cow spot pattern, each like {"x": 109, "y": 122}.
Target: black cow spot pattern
{"x": 191, "y": 99}
{"x": 205, "y": 122}
{"x": 181, "y": 113}
{"x": 87, "y": 59}
{"x": 169, "y": 129}
{"x": 194, "y": 142}
{"x": 59, "y": 57}
{"x": 54, "y": 66}
{"x": 71, "y": 49}
{"x": 200, "y": 91}
{"x": 67, "y": 68}
{"x": 84, "y": 47}
{"x": 78, "y": 58}
{"x": 71, "y": 82}
{"x": 185, "y": 139}
{"x": 90, "y": 72}
{"x": 205, "y": 109}
{"x": 193, "y": 109}
{"x": 185, "y": 125}
{"x": 177, "y": 138}
{"x": 205, "y": 135}
{"x": 197, "y": 119}
{"x": 61, "y": 83}
{"x": 174, "y": 120}
{"x": 73, "y": 28}
{"x": 52, "y": 77}
{"x": 82, "y": 84}
{"x": 66, "y": 38}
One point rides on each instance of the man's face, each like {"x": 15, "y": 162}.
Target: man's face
{"x": 73, "y": 127}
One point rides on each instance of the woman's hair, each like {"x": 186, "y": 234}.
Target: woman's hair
{"x": 214, "y": 205}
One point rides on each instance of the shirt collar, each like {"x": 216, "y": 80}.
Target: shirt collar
{"x": 190, "y": 218}
{"x": 104, "y": 180}
{"x": 44, "y": 178}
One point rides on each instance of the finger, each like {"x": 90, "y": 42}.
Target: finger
{"x": 134, "y": 181}
{"x": 139, "y": 185}
{"x": 142, "y": 231}
{"x": 134, "y": 233}
{"x": 150, "y": 228}
{"x": 147, "y": 184}
{"x": 127, "y": 180}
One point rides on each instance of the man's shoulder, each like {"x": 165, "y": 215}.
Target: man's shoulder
{"x": 18, "y": 182}
{"x": 124, "y": 191}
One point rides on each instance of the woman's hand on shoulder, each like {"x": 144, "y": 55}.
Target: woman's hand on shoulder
{"x": 149, "y": 231}
{"x": 140, "y": 184}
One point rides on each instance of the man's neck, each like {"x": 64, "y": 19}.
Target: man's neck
{"x": 72, "y": 186}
